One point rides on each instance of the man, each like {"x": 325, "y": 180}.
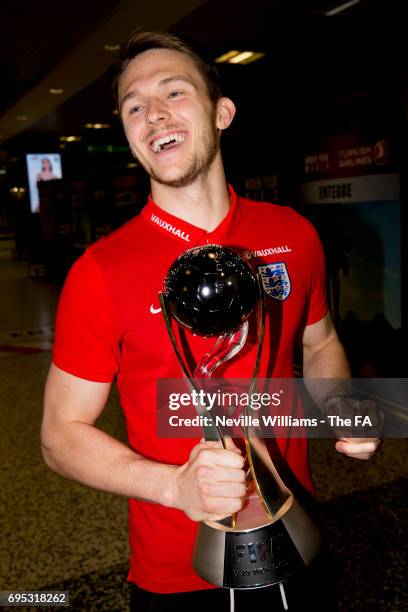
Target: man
{"x": 109, "y": 325}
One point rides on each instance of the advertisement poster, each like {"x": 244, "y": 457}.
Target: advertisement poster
{"x": 41, "y": 167}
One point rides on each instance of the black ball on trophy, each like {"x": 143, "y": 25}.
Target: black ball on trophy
{"x": 210, "y": 290}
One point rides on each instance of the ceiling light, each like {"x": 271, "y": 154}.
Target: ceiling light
{"x": 3, "y": 171}
{"x": 22, "y": 117}
{"x": 132, "y": 165}
{"x": 56, "y": 91}
{"x": 239, "y": 57}
{"x": 341, "y": 7}
{"x": 109, "y": 47}
{"x": 70, "y": 138}
{"x": 226, "y": 56}
{"x": 97, "y": 126}
{"x": 246, "y": 57}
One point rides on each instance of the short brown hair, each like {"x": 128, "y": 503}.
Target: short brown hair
{"x": 139, "y": 42}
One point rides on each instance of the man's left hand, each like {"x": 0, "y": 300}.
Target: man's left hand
{"x": 358, "y": 448}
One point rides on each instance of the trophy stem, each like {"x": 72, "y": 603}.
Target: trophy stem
{"x": 281, "y": 496}
{"x": 211, "y": 431}
{"x": 166, "y": 316}
{"x": 261, "y": 335}
{"x": 226, "y": 347}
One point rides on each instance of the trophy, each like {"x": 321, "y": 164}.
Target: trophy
{"x": 212, "y": 291}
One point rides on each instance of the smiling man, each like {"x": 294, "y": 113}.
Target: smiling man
{"x": 108, "y": 326}
{"x": 185, "y": 148}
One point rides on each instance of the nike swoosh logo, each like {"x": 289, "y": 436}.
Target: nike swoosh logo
{"x": 154, "y": 310}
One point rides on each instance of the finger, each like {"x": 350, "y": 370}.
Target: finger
{"x": 229, "y": 444}
{"x": 222, "y": 474}
{"x": 363, "y": 444}
{"x": 358, "y": 449}
{"x": 211, "y": 443}
{"x": 223, "y": 506}
{"x": 359, "y": 440}
{"x": 361, "y": 456}
{"x": 216, "y": 517}
{"x": 228, "y": 490}
{"x": 220, "y": 457}
{"x": 203, "y": 443}
{"x": 196, "y": 449}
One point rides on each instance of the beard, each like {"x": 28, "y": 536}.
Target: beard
{"x": 197, "y": 165}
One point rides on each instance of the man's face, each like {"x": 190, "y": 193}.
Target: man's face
{"x": 168, "y": 117}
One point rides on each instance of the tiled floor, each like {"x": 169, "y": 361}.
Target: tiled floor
{"x": 51, "y": 529}
{"x": 56, "y": 533}
{"x": 27, "y": 304}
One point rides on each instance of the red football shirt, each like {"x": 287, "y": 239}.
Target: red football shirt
{"x": 109, "y": 325}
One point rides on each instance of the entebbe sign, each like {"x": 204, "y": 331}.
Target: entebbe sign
{"x": 369, "y": 188}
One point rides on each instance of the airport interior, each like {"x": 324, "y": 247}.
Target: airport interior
{"x": 321, "y": 89}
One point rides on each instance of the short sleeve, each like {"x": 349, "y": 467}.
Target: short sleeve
{"x": 317, "y": 302}
{"x": 86, "y": 337}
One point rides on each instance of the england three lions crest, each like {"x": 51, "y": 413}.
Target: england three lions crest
{"x": 275, "y": 280}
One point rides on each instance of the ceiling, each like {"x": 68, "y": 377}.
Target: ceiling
{"x": 311, "y": 60}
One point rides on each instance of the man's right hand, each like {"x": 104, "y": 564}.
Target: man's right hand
{"x": 211, "y": 485}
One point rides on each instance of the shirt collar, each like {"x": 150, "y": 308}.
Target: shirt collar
{"x": 185, "y": 232}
